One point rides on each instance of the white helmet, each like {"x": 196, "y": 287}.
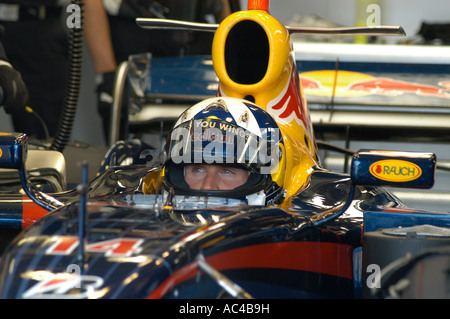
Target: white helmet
{"x": 229, "y": 131}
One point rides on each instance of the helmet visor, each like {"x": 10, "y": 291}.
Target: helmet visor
{"x": 211, "y": 141}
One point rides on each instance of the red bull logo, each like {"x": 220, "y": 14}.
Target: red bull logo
{"x": 348, "y": 83}
{"x": 395, "y": 170}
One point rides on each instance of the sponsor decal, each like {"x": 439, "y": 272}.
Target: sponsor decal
{"x": 119, "y": 247}
{"x": 353, "y": 84}
{"x": 64, "y": 286}
{"x": 393, "y": 170}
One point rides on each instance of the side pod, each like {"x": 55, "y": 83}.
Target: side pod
{"x": 394, "y": 233}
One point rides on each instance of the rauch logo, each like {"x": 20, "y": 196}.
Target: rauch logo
{"x": 395, "y": 170}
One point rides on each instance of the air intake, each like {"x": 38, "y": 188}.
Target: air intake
{"x": 247, "y": 53}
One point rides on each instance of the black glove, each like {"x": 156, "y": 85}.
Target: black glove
{"x": 15, "y": 92}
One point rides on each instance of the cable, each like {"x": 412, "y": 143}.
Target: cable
{"x": 73, "y": 85}
{"x": 39, "y": 118}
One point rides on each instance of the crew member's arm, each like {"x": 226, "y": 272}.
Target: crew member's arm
{"x": 98, "y": 36}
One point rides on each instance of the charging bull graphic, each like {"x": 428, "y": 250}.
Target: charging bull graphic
{"x": 352, "y": 84}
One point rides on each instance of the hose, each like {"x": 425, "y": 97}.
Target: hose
{"x": 72, "y": 90}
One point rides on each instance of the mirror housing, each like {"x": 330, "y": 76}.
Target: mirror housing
{"x": 13, "y": 155}
{"x": 13, "y": 150}
{"x": 393, "y": 168}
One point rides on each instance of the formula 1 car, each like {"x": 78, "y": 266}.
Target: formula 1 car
{"x": 119, "y": 236}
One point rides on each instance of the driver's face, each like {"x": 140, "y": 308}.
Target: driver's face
{"x": 214, "y": 177}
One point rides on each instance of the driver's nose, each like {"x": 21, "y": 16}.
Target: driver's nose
{"x": 210, "y": 182}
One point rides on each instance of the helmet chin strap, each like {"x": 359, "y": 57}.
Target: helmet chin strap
{"x": 256, "y": 199}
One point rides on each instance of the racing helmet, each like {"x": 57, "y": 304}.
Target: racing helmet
{"x": 232, "y": 132}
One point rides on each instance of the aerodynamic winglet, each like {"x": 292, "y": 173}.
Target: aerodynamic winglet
{"x": 376, "y": 30}
{"x": 166, "y": 24}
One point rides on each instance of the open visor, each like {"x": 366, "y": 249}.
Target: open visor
{"x": 211, "y": 141}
